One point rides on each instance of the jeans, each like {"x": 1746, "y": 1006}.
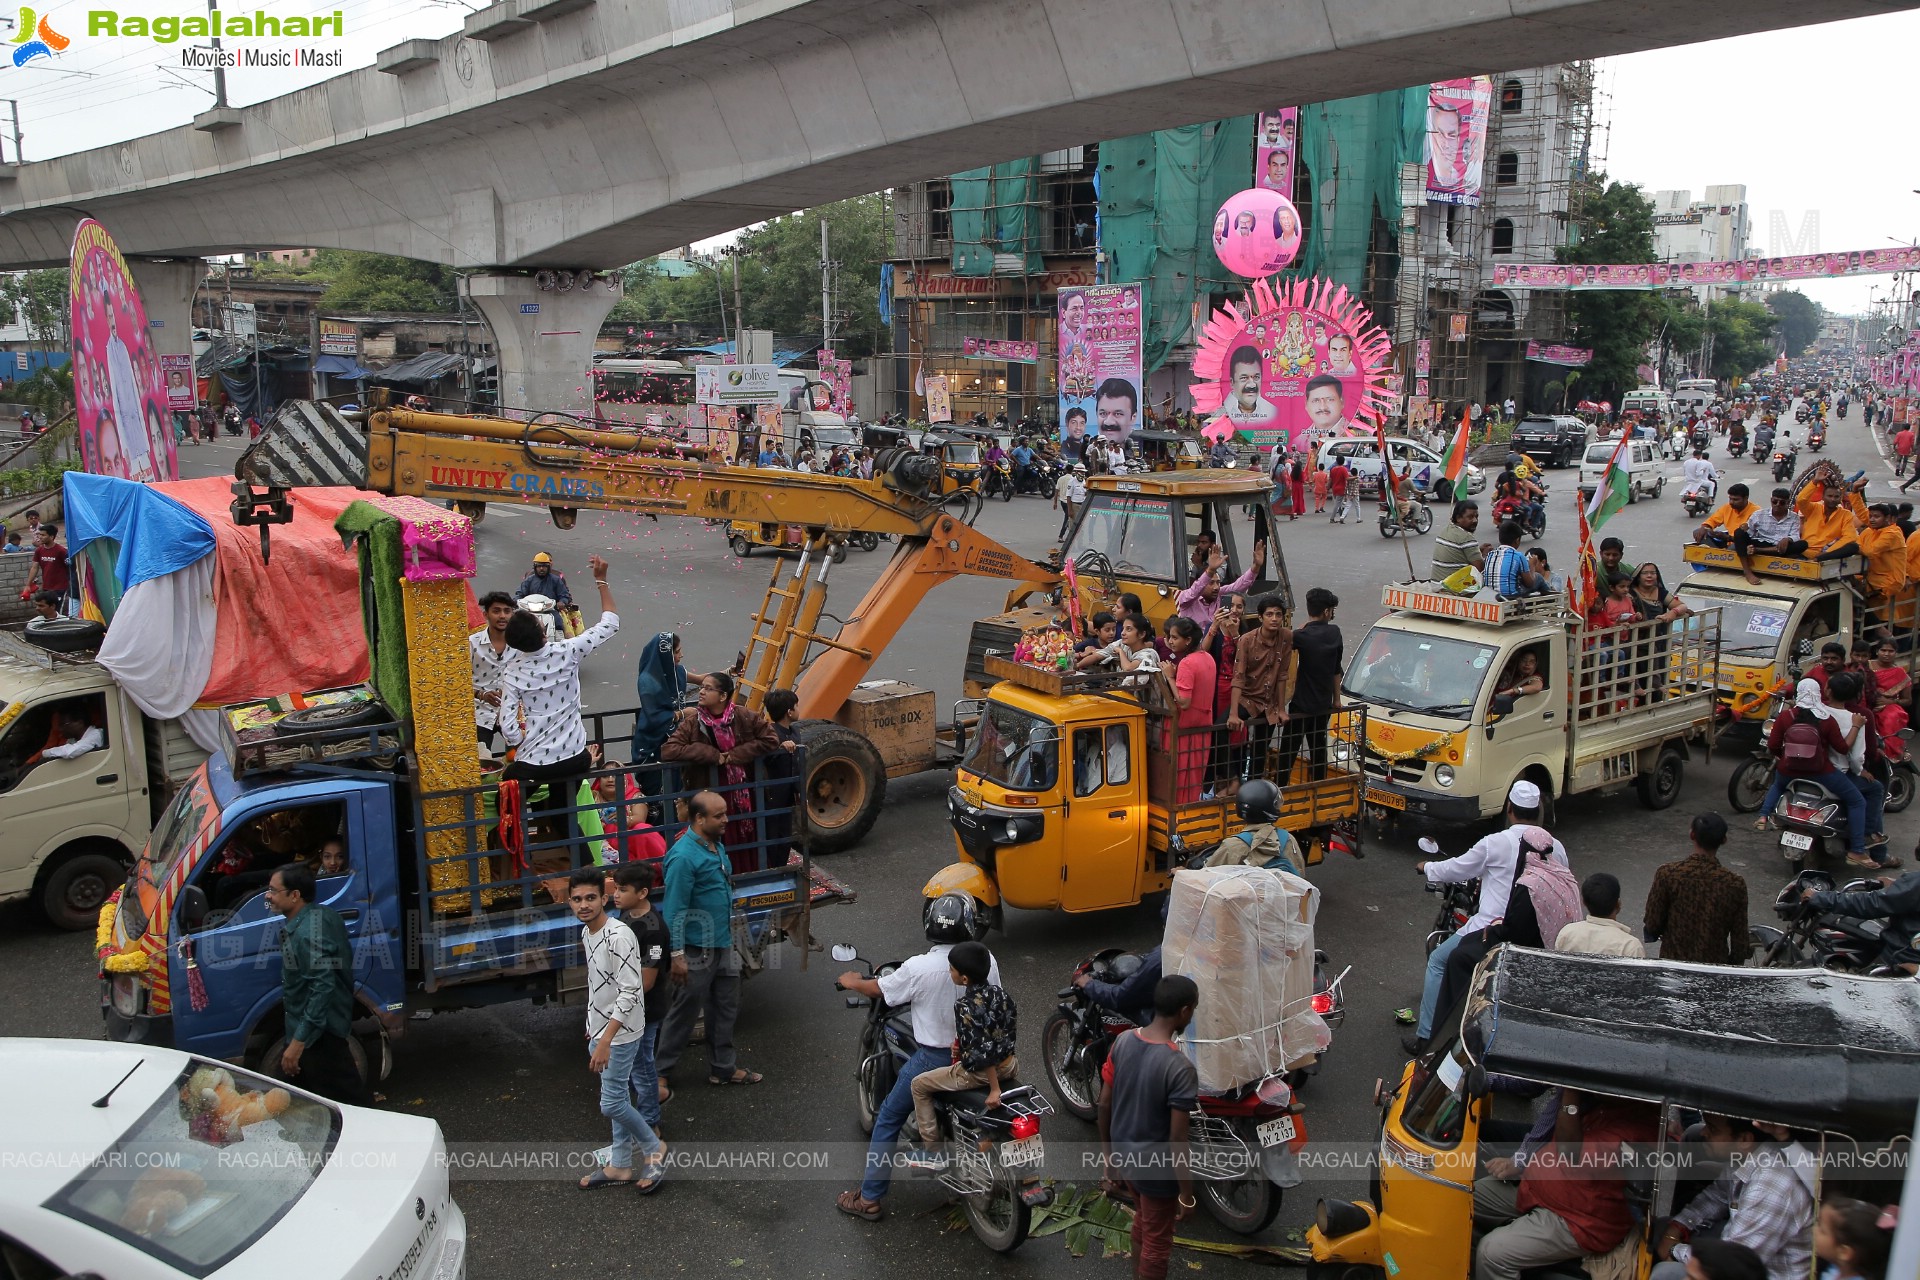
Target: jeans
{"x": 646, "y": 1077}
{"x": 616, "y": 1104}
{"x": 1430, "y": 990}
{"x": 1850, "y": 794}
{"x": 713, "y": 985}
{"x": 892, "y": 1117}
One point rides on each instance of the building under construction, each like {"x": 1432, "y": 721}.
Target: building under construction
{"x": 983, "y": 254}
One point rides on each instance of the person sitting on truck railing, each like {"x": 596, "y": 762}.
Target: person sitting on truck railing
{"x": 1458, "y": 545}
{"x": 1774, "y": 532}
{"x": 1133, "y": 651}
{"x": 1830, "y": 516}
{"x": 1717, "y": 530}
{"x": 544, "y": 581}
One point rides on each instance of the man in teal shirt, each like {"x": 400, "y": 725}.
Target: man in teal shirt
{"x": 698, "y": 907}
{"x": 316, "y": 977}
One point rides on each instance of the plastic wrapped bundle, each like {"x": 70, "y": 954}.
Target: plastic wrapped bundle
{"x": 1245, "y": 936}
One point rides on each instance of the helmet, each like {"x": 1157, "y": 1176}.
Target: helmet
{"x": 951, "y": 917}
{"x": 1257, "y": 801}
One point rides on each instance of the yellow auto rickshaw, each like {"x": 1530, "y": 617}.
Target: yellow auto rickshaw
{"x": 744, "y": 535}
{"x": 1167, "y": 451}
{"x": 1835, "y": 1061}
{"x": 962, "y": 459}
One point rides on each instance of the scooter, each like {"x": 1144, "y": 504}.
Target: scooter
{"x": 1762, "y": 441}
{"x": 1242, "y": 1142}
{"x": 1801, "y": 412}
{"x": 1736, "y": 445}
{"x": 993, "y": 1154}
{"x": 1783, "y": 462}
{"x": 1817, "y": 437}
{"x": 1699, "y": 500}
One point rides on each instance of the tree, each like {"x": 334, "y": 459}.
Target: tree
{"x": 1615, "y": 225}
{"x": 1742, "y": 337}
{"x": 384, "y": 282}
{"x": 40, "y": 299}
{"x": 1682, "y": 326}
{"x": 1800, "y": 318}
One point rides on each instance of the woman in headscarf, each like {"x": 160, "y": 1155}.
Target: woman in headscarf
{"x": 662, "y": 685}
{"x": 1797, "y": 754}
{"x": 715, "y": 745}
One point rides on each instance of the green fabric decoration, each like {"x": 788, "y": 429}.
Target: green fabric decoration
{"x": 375, "y": 536}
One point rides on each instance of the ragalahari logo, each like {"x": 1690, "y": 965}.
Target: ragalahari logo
{"x": 35, "y": 39}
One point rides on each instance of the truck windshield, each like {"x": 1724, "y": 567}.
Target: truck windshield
{"x": 1134, "y": 534}
{"x": 1415, "y": 671}
{"x": 1017, "y": 750}
{"x": 1747, "y": 626}
{"x": 192, "y": 815}
{"x": 192, "y": 1183}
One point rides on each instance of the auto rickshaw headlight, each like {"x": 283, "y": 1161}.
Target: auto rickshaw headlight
{"x": 1337, "y": 1218}
{"x": 1443, "y": 774}
{"x": 1013, "y": 831}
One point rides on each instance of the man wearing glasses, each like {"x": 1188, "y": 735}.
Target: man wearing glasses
{"x": 316, "y": 980}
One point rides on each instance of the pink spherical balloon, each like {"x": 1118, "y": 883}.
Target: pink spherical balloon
{"x": 1256, "y": 232}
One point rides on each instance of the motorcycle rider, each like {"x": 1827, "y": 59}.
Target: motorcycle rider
{"x": 1262, "y": 844}
{"x": 1700, "y": 475}
{"x": 1024, "y": 481}
{"x": 1897, "y": 901}
{"x": 925, "y": 984}
{"x": 1493, "y": 862}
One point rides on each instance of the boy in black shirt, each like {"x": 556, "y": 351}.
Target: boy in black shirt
{"x": 1316, "y": 687}
{"x": 633, "y": 885}
{"x": 984, "y": 1020}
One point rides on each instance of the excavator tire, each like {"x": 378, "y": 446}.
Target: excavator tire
{"x": 844, "y": 788}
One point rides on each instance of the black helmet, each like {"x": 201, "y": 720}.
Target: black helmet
{"x": 1258, "y": 801}
{"x": 951, "y": 917}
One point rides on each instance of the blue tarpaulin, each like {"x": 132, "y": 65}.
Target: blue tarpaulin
{"x": 156, "y": 535}
{"x": 341, "y": 367}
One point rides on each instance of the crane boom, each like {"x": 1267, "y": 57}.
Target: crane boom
{"x": 449, "y": 458}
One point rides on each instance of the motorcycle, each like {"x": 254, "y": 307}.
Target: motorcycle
{"x": 1412, "y": 516}
{"x": 1736, "y": 444}
{"x": 999, "y": 481}
{"x": 1241, "y": 1141}
{"x": 1458, "y": 902}
{"x": 1699, "y": 500}
{"x": 1801, "y": 412}
{"x": 993, "y": 1155}
{"x": 232, "y": 422}
{"x": 1783, "y": 463}
{"x": 1817, "y": 437}
{"x": 1762, "y": 441}
{"x": 1533, "y": 521}
{"x": 1824, "y": 939}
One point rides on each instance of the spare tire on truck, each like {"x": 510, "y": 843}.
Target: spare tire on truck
{"x": 844, "y": 786}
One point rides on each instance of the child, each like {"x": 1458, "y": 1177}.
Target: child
{"x": 779, "y": 708}
{"x": 1853, "y": 1238}
{"x": 984, "y": 1023}
{"x": 333, "y": 857}
{"x": 623, "y": 820}
{"x": 13, "y": 542}
{"x": 633, "y": 885}
{"x": 1100, "y": 633}
{"x": 1320, "y": 483}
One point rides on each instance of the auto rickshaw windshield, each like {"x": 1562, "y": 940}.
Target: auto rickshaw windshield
{"x": 1018, "y": 750}
{"x": 1135, "y": 534}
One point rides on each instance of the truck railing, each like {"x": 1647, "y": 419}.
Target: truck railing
{"x": 493, "y": 887}
{"x": 1620, "y": 670}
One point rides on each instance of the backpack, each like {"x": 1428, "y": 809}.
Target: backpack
{"x": 1554, "y": 891}
{"x": 1802, "y": 743}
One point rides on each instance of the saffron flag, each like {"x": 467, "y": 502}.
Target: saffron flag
{"x": 1585, "y": 589}
{"x": 1613, "y": 490}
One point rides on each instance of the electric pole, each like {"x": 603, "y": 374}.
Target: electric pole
{"x": 739, "y": 322}
{"x": 826, "y": 291}
{"x": 219, "y": 72}
{"x": 19, "y": 150}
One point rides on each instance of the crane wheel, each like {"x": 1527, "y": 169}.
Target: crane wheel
{"x": 844, "y": 788}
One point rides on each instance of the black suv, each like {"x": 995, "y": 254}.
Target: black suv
{"x": 1557, "y": 438}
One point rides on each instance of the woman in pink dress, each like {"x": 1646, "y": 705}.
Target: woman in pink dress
{"x": 1299, "y": 485}
{"x": 1194, "y": 684}
{"x": 1892, "y": 689}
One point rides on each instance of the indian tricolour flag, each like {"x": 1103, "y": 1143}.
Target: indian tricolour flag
{"x": 1615, "y": 487}
{"x": 1455, "y": 464}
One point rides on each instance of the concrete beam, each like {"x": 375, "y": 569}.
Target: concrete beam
{"x": 543, "y": 337}
{"x": 409, "y": 55}
{"x": 598, "y": 135}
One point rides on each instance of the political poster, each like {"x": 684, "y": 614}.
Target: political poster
{"x": 838, "y": 375}
{"x": 1456, "y": 146}
{"x": 1292, "y": 364}
{"x": 120, "y": 399}
{"x": 1274, "y": 139}
{"x": 1009, "y": 350}
{"x": 1555, "y": 353}
{"x": 939, "y": 399}
{"x": 1667, "y": 275}
{"x": 178, "y": 374}
{"x": 1100, "y": 375}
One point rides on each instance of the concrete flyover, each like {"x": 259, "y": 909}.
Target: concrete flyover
{"x": 590, "y": 133}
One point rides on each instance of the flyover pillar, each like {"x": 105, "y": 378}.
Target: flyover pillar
{"x": 167, "y": 286}
{"x": 544, "y": 325}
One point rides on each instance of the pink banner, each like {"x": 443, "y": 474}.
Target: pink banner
{"x": 119, "y": 399}
{"x": 1456, "y": 147}
{"x": 838, "y": 375}
{"x": 1274, "y": 147}
{"x": 178, "y": 372}
{"x": 1665, "y": 275}
{"x": 1011, "y": 350}
{"x": 1553, "y": 353}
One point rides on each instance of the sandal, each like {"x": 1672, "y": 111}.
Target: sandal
{"x": 653, "y": 1173}
{"x": 1764, "y": 824}
{"x": 1861, "y": 860}
{"x": 599, "y": 1179}
{"x": 849, "y": 1202}
{"x": 741, "y": 1076}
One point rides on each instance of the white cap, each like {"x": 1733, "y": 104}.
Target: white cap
{"x": 1524, "y": 795}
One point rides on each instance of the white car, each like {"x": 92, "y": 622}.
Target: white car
{"x": 1645, "y": 474}
{"x": 142, "y": 1163}
{"x": 1362, "y": 456}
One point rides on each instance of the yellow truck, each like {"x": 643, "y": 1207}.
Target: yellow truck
{"x": 1613, "y": 705}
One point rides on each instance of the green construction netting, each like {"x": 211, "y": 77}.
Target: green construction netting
{"x": 1159, "y": 192}
{"x": 993, "y": 211}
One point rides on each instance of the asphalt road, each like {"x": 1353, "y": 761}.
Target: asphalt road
{"x": 515, "y": 1074}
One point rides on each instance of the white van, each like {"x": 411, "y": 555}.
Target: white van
{"x": 1410, "y": 457}
{"x": 1695, "y": 395}
{"x": 1642, "y": 459}
{"x": 1651, "y": 401}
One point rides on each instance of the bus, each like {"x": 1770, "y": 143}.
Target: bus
{"x": 1695, "y": 395}
{"x": 644, "y": 393}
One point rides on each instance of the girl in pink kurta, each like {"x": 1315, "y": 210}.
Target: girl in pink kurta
{"x": 1194, "y": 683}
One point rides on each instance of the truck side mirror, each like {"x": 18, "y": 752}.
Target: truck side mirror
{"x": 1502, "y": 704}
{"x": 193, "y": 908}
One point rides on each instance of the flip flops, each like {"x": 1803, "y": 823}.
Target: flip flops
{"x": 599, "y": 1181}
{"x": 740, "y": 1077}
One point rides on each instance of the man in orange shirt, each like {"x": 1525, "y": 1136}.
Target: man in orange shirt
{"x": 1718, "y": 529}
{"x": 1886, "y": 553}
{"x": 1830, "y": 518}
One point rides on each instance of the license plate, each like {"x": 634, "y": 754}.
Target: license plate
{"x": 1386, "y": 799}
{"x": 1276, "y": 1131}
{"x": 1794, "y": 840}
{"x": 1021, "y": 1153}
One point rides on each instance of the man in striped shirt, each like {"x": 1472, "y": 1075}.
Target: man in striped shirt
{"x": 616, "y": 981}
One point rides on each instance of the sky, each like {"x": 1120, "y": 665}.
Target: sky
{"x": 1812, "y": 120}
